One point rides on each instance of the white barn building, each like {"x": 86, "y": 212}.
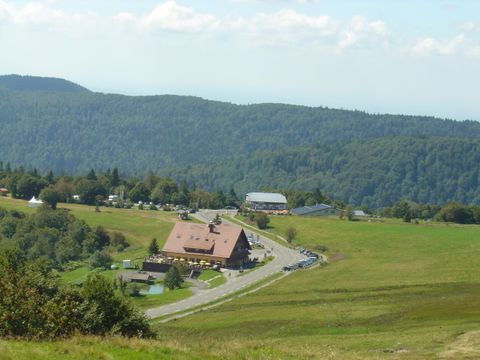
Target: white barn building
{"x": 270, "y": 202}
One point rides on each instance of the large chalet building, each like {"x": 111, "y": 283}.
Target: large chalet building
{"x": 224, "y": 244}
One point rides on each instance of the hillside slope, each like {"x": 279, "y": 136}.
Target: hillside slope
{"x": 374, "y": 172}
{"x": 35, "y": 83}
{"x": 220, "y": 144}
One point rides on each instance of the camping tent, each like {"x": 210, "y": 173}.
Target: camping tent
{"x": 34, "y": 203}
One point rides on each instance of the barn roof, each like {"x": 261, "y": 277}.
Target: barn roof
{"x": 310, "y": 209}
{"x": 267, "y": 197}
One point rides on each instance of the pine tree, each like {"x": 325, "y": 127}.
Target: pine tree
{"x": 153, "y": 248}
{"x": 50, "y": 177}
{"x": 115, "y": 177}
{"x": 91, "y": 175}
{"x": 173, "y": 278}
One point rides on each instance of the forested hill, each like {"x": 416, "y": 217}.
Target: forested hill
{"x": 35, "y": 83}
{"x": 373, "y": 172}
{"x": 218, "y": 145}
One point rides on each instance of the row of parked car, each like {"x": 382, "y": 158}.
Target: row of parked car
{"x": 312, "y": 259}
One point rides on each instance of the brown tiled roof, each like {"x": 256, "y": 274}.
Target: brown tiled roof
{"x": 196, "y": 242}
{"x": 198, "y": 236}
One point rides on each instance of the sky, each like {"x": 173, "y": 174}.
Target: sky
{"x": 401, "y": 57}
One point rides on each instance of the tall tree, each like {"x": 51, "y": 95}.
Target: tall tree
{"x": 153, "y": 248}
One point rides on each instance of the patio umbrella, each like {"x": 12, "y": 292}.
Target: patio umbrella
{"x": 170, "y": 258}
{"x": 182, "y": 259}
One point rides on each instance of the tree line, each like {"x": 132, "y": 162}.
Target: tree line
{"x": 452, "y": 212}
{"x": 93, "y": 188}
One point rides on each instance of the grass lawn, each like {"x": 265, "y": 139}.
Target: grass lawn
{"x": 169, "y": 296}
{"x": 139, "y": 226}
{"x": 208, "y": 274}
{"x": 217, "y": 281}
{"x": 212, "y": 278}
{"x": 390, "y": 290}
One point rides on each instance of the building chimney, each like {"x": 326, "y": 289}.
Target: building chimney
{"x": 211, "y": 226}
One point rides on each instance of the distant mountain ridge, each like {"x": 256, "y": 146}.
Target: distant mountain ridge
{"x": 36, "y": 83}
{"x": 350, "y": 154}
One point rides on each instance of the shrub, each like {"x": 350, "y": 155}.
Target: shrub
{"x": 100, "y": 259}
{"x": 321, "y": 248}
{"x": 261, "y": 219}
{"x": 173, "y": 278}
{"x": 118, "y": 241}
{"x": 290, "y": 233}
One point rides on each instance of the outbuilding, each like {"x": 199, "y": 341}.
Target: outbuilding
{"x": 268, "y": 202}
{"x": 316, "y": 210}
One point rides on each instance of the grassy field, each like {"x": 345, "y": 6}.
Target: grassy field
{"x": 390, "y": 291}
{"x": 139, "y": 226}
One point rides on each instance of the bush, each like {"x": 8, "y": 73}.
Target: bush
{"x": 261, "y": 219}
{"x": 152, "y": 207}
{"x": 321, "y": 248}
{"x": 118, "y": 241}
{"x": 173, "y": 278}
{"x": 290, "y": 233}
{"x": 133, "y": 289}
{"x": 100, "y": 259}
{"x": 36, "y": 305}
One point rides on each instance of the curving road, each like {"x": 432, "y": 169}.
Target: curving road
{"x": 282, "y": 256}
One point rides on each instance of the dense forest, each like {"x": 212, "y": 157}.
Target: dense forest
{"x": 356, "y": 157}
{"x": 34, "y": 303}
{"x": 375, "y": 173}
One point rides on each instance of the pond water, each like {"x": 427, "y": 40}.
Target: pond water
{"x": 153, "y": 290}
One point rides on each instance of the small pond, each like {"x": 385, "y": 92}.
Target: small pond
{"x": 153, "y": 290}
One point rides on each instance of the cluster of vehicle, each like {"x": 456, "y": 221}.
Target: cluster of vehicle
{"x": 307, "y": 252}
{"x": 254, "y": 241}
{"x": 312, "y": 259}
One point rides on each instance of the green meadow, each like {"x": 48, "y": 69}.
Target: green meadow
{"x": 390, "y": 290}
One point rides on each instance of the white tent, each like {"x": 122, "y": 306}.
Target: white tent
{"x": 34, "y": 202}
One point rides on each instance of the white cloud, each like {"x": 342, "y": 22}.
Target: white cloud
{"x": 467, "y": 26}
{"x": 171, "y": 16}
{"x": 42, "y": 14}
{"x": 362, "y": 32}
{"x": 285, "y": 26}
{"x": 459, "y": 45}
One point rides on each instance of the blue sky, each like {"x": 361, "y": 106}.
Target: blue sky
{"x": 410, "y": 57}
